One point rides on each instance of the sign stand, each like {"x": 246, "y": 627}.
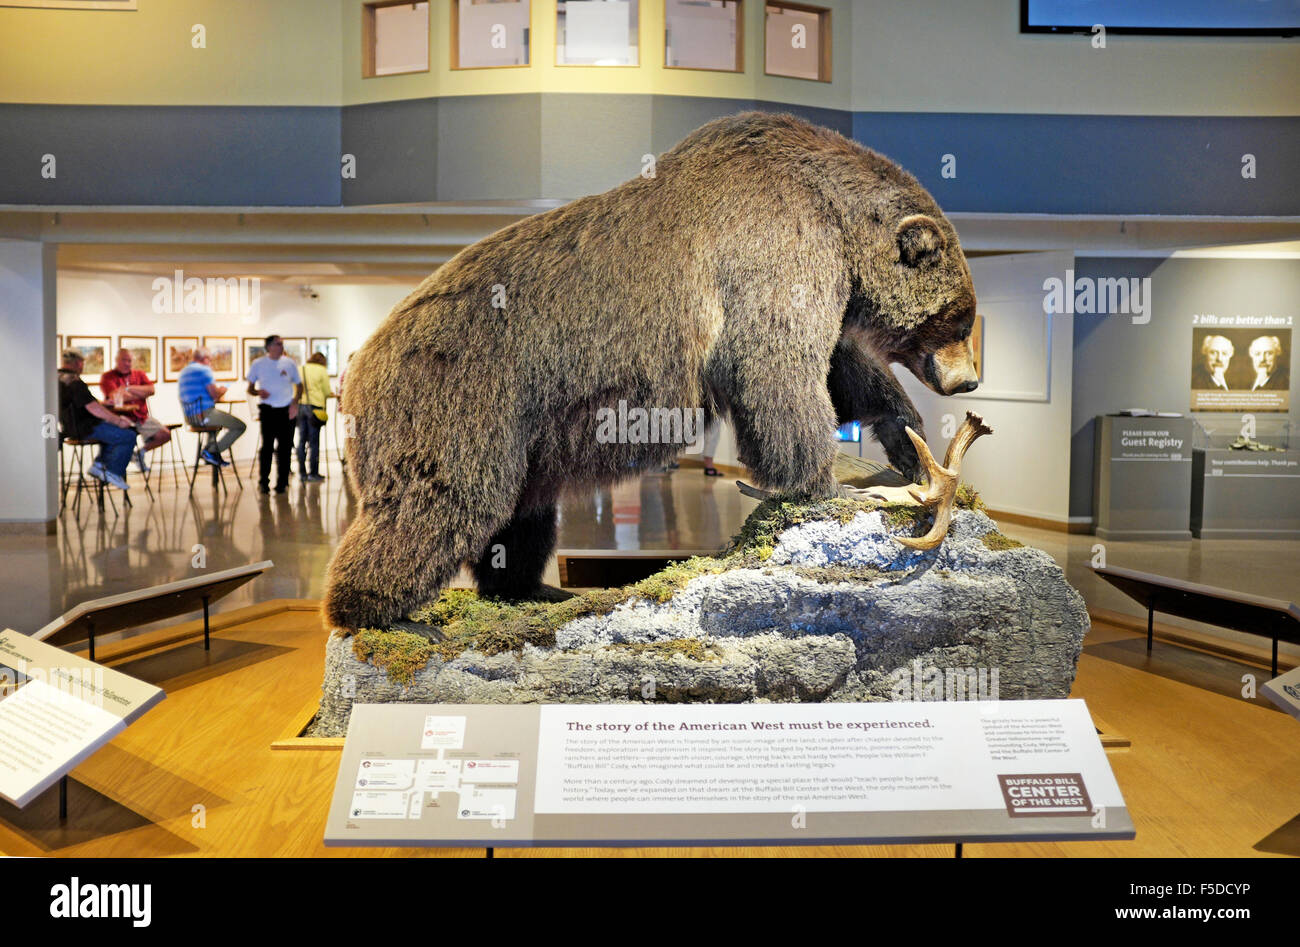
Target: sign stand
{"x": 61, "y": 709}
{"x": 665, "y": 775}
{"x": 132, "y": 609}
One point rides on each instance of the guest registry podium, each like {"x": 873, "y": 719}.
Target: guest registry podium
{"x": 1143, "y": 481}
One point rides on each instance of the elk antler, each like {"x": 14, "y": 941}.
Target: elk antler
{"x": 940, "y": 490}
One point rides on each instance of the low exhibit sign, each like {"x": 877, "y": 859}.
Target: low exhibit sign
{"x": 55, "y": 710}
{"x": 726, "y": 774}
{"x": 1285, "y": 691}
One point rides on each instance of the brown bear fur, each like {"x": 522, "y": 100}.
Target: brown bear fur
{"x": 769, "y": 270}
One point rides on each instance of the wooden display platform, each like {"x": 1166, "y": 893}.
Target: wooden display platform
{"x": 198, "y": 776}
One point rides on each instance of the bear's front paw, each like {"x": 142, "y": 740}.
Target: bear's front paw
{"x": 899, "y": 449}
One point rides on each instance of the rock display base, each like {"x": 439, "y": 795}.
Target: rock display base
{"x": 810, "y": 602}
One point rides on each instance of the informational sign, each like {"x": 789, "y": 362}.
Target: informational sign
{"x": 1144, "y": 439}
{"x": 55, "y": 710}
{"x": 1285, "y": 691}
{"x": 1272, "y": 464}
{"x": 1241, "y": 363}
{"x": 653, "y": 774}
{"x": 1142, "y": 482}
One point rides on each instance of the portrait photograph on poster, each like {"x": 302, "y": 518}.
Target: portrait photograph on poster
{"x": 1241, "y": 369}
{"x": 144, "y": 352}
{"x": 94, "y": 352}
{"x": 330, "y": 349}
{"x": 225, "y": 356}
{"x": 253, "y": 350}
{"x": 178, "y": 351}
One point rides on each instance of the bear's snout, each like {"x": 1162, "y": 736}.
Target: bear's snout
{"x": 951, "y": 369}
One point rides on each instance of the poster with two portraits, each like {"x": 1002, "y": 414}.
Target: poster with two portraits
{"x": 1241, "y": 369}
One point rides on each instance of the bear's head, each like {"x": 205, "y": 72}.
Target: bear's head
{"x": 913, "y": 301}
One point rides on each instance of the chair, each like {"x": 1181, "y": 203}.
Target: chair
{"x": 194, "y": 418}
{"x": 176, "y": 459}
{"x": 83, "y": 482}
{"x": 257, "y": 450}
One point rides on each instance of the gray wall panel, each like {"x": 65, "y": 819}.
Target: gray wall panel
{"x": 489, "y": 148}
{"x": 396, "y": 147}
{"x": 1094, "y": 164}
{"x": 673, "y": 117}
{"x": 533, "y": 145}
{"x": 153, "y": 155}
{"x": 591, "y": 143}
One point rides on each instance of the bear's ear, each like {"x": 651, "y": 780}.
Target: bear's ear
{"x": 920, "y": 241}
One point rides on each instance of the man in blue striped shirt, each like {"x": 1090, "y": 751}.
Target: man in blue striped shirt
{"x": 199, "y": 393}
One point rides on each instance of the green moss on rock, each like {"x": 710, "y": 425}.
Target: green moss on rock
{"x": 692, "y": 648}
{"x": 968, "y": 498}
{"x": 399, "y": 654}
{"x": 999, "y": 542}
{"x": 468, "y": 622}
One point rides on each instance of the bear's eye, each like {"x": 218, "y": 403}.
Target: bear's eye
{"x": 965, "y": 334}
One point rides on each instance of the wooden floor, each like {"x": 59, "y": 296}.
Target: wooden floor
{"x": 1209, "y": 773}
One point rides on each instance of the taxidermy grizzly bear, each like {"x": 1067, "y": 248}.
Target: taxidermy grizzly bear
{"x": 769, "y": 270}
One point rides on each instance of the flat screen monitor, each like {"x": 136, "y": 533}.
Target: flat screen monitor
{"x": 1169, "y": 17}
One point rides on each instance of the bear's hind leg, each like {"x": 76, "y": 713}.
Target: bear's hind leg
{"x": 396, "y": 558}
{"x": 511, "y": 565}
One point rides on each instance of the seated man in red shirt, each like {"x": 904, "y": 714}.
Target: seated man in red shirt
{"x": 134, "y": 387}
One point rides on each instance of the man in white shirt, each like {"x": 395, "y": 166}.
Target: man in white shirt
{"x": 275, "y": 380}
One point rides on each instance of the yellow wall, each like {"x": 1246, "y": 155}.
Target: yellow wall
{"x": 259, "y": 52}
{"x": 888, "y": 55}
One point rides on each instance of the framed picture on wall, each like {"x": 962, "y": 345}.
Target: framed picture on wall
{"x": 977, "y": 346}
{"x": 296, "y": 348}
{"x": 144, "y": 352}
{"x": 94, "y": 350}
{"x": 178, "y": 351}
{"x": 253, "y": 350}
{"x": 330, "y": 349}
{"x": 225, "y": 356}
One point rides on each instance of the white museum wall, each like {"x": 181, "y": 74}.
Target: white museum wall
{"x": 121, "y": 304}
{"x": 1024, "y": 466}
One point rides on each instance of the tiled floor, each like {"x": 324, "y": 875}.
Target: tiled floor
{"x": 173, "y": 537}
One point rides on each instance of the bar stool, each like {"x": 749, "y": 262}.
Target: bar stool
{"x": 257, "y": 450}
{"x": 83, "y": 482}
{"x": 177, "y": 460}
{"x": 194, "y": 418}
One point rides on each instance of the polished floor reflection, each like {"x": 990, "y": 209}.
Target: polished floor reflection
{"x": 174, "y": 536}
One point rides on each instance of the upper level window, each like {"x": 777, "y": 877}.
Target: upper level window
{"x": 798, "y": 41}
{"x": 703, "y": 34}
{"x": 489, "y": 33}
{"x": 394, "y": 38}
{"x": 596, "y": 33}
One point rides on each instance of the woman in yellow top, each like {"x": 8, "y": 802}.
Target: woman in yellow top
{"x": 312, "y": 415}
